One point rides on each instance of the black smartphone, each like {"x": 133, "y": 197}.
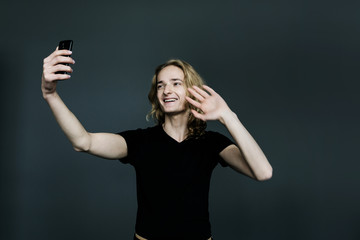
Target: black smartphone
{"x": 68, "y": 45}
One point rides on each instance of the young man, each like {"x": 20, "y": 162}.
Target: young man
{"x": 173, "y": 160}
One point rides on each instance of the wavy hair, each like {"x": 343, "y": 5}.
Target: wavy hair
{"x": 196, "y": 127}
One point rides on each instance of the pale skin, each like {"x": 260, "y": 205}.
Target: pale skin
{"x": 245, "y": 157}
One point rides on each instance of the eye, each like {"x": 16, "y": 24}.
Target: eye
{"x": 177, "y": 83}
{"x": 159, "y": 86}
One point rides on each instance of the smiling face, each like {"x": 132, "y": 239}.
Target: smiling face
{"x": 175, "y": 101}
{"x": 171, "y": 90}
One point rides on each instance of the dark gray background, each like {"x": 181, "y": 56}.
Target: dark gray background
{"x": 289, "y": 69}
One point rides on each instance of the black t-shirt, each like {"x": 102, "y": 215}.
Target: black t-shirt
{"x": 173, "y": 181}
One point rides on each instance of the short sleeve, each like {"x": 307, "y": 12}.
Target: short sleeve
{"x": 131, "y": 138}
{"x": 218, "y": 142}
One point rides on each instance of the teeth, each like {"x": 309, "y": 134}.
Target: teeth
{"x": 169, "y": 100}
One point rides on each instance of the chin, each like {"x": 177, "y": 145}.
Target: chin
{"x": 175, "y": 111}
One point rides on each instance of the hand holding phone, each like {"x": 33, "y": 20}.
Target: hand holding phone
{"x": 65, "y": 44}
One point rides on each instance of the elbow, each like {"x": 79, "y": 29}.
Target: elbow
{"x": 266, "y": 175}
{"x": 80, "y": 149}
{"x": 81, "y": 146}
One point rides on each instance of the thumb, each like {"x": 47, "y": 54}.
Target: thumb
{"x": 198, "y": 115}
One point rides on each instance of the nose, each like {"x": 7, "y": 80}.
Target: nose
{"x": 167, "y": 89}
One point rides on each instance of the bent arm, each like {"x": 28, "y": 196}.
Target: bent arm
{"x": 106, "y": 145}
{"x": 247, "y": 157}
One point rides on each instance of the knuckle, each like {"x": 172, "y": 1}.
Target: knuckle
{"x": 47, "y": 79}
{"x": 47, "y": 76}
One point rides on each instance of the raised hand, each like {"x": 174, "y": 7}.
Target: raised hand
{"x": 52, "y": 64}
{"x": 209, "y": 102}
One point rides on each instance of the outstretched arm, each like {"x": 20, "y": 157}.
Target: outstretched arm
{"x": 247, "y": 157}
{"x": 106, "y": 145}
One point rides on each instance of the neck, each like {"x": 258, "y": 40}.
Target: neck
{"x": 176, "y": 126}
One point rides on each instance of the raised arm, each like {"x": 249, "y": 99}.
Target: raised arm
{"x": 106, "y": 145}
{"x": 247, "y": 157}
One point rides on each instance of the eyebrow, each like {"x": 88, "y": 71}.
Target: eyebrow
{"x": 172, "y": 79}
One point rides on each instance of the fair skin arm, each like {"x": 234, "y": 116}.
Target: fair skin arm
{"x": 106, "y": 145}
{"x": 246, "y": 157}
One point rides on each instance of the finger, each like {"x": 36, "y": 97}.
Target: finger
{"x": 196, "y": 95}
{"x": 61, "y": 77}
{"x": 56, "y": 53}
{"x": 61, "y": 68}
{"x": 60, "y": 52}
{"x": 201, "y": 92}
{"x": 193, "y": 102}
{"x": 50, "y": 57}
{"x": 61, "y": 59}
{"x": 56, "y": 77}
{"x": 198, "y": 115}
{"x": 209, "y": 89}
{"x": 64, "y": 52}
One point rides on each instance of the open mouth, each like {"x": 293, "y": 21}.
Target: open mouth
{"x": 170, "y": 100}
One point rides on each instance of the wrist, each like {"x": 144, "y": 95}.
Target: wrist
{"x": 49, "y": 96}
{"x": 228, "y": 117}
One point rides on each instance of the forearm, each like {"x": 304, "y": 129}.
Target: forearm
{"x": 250, "y": 150}
{"x": 70, "y": 125}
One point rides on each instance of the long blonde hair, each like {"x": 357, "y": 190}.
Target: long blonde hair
{"x": 196, "y": 127}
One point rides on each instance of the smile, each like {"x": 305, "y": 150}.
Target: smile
{"x": 170, "y": 100}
